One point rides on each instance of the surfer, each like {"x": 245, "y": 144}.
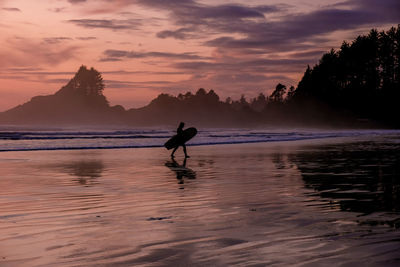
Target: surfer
{"x": 181, "y": 137}
{"x": 181, "y": 142}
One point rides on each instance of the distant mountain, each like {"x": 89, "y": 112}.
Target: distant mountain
{"x": 81, "y": 101}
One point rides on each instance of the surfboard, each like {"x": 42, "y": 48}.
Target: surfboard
{"x": 176, "y": 140}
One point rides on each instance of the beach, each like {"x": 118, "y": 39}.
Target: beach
{"x": 332, "y": 202}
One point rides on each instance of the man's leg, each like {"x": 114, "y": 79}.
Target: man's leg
{"x": 173, "y": 151}
{"x": 184, "y": 150}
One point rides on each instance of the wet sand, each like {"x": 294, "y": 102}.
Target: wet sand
{"x": 306, "y": 203}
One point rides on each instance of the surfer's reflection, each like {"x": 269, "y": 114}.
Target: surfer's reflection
{"x": 181, "y": 170}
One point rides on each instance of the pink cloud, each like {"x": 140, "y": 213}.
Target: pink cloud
{"x": 22, "y": 52}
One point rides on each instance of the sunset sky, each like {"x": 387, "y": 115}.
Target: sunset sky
{"x": 145, "y": 47}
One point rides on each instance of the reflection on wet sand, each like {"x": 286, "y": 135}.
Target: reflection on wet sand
{"x": 359, "y": 177}
{"x": 85, "y": 171}
{"x": 180, "y": 170}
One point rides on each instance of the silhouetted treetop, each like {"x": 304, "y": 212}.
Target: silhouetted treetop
{"x": 86, "y": 82}
{"x": 290, "y": 93}
{"x": 259, "y": 103}
{"x": 212, "y": 96}
{"x": 201, "y": 92}
{"x": 88, "y": 85}
{"x": 278, "y": 93}
{"x": 164, "y": 101}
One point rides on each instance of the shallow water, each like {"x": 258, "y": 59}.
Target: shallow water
{"x": 75, "y": 139}
{"x": 303, "y": 203}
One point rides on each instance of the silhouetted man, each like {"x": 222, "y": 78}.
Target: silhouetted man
{"x": 181, "y": 142}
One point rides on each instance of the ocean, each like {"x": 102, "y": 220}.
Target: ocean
{"x": 15, "y": 139}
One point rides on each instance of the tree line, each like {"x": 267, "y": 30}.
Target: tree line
{"x": 361, "y": 78}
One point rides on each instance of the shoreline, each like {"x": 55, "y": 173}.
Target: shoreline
{"x": 282, "y": 140}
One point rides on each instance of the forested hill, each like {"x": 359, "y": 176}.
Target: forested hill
{"x": 361, "y": 78}
{"x": 357, "y": 85}
{"x": 80, "y": 101}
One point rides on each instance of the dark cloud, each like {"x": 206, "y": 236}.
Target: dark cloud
{"x": 165, "y": 5}
{"x": 56, "y": 40}
{"x": 124, "y": 72}
{"x": 57, "y": 81}
{"x": 12, "y": 77}
{"x": 181, "y": 34}
{"x": 117, "y": 55}
{"x": 285, "y": 34}
{"x": 35, "y": 71}
{"x": 88, "y": 38}
{"x": 112, "y": 24}
{"x": 11, "y": 9}
{"x": 380, "y": 11}
{"x": 308, "y": 54}
{"x": 239, "y": 78}
{"x": 110, "y": 59}
{"x": 22, "y": 69}
{"x": 241, "y": 66}
{"x": 57, "y": 9}
{"x": 186, "y": 8}
{"x": 215, "y": 20}
{"x": 33, "y": 78}
{"x": 297, "y": 30}
{"x": 272, "y": 8}
{"x": 228, "y": 12}
{"x": 77, "y": 1}
{"x": 135, "y": 85}
{"x": 290, "y": 31}
{"x": 194, "y": 18}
